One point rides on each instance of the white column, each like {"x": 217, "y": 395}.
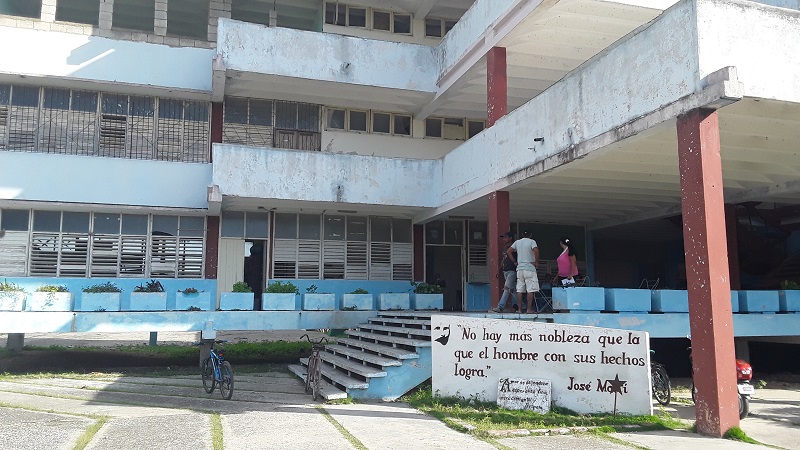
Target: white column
{"x": 160, "y": 22}
{"x": 106, "y": 14}
{"x": 217, "y": 9}
{"x": 49, "y": 10}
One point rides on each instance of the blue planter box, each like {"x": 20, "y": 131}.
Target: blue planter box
{"x": 789, "y": 300}
{"x": 319, "y": 302}
{"x": 759, "y": 301}
{"x": 667, "y": 301}
{"x": 428, "y": 301}
{"x": 243, "y": 301}
{"x": 735, "y": 301}
{"x": 628, "y": 300}
{"x": 200, "y": 300}
{"x": 12, "y": 300}
{"x": 360, "y": 301}
{"x": 394, "y": 300}
{"x": 147, "y": 301}
{"x": 98, "y": 301}
{"x": 278, "y": 302}
{"x": 579, "y": 299}
{"x": 50, "y": 301}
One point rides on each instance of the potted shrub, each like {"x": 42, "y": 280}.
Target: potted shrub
{"x": 359, "y": 299}
{"x": 789, "y": 296}
{"x": 279, "y": 296}
{"x": 318, "y": 301}
{"x": 50, "y": 297}
{"x": 148, "y": 297}
{"x": 99, "y": 297}
{"x": 428, "y": 296}
{"x": 241, "y": 298}
{"x": 394, "y": 300}
{"x": 190, "y": 299}
{"x": 12, "y": 296}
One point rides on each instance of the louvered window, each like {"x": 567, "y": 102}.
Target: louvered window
{"x": 5, "y": 96}
{"x": 477, "y": 256}
{"x": 14, "y": 244}
{"x": 248, "y": 122}
{"x": 23, "y": 122}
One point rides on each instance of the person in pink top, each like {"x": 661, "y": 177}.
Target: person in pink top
{"x": 567, "y": 262}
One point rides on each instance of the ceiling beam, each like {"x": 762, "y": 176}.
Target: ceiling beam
{"x": 424, "y": 8}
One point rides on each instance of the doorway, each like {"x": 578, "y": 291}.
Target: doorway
{"x": 254, "y": 269}
{"x": 445, "y": 260}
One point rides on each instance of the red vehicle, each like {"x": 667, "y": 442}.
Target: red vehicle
{"x": 744, "y": 373}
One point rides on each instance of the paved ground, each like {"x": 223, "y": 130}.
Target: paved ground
{"x": 272, "y": 411}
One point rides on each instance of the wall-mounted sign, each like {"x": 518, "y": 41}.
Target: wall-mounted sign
{"x": 591, "y": 370}
{"x": 524, "y": 393}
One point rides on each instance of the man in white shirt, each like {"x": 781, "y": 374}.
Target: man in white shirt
{"x": 524, "y": 253}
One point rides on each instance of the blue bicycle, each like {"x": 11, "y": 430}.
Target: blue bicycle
{"x": 217, "y": 371}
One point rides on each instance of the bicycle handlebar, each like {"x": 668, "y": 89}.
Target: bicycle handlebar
{"x": 320, "y": 341}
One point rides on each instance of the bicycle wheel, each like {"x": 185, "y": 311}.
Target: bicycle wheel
{"x": 311, "y": 370}
{"x": 208, "y": 375}
{"x": 661, "y": 386}
{"x": 226, "y": 382}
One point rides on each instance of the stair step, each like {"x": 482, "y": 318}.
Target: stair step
{"x": 394, "y": 340}
{"x": 327, "y": 390}
{"x": 391, "y": 352}
{"x": 413, "y": 333}
{"x": 424, "y": 324}
{"x": 352, "y": 366}
{"x": 406, "y": 315}
{"x": 363, "y": 356}
{"x": 338, "y": 378}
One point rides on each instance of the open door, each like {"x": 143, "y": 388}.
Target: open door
{"x": 445, "y": 261}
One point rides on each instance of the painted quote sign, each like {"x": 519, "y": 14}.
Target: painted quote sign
{"x": 591, "y": 370}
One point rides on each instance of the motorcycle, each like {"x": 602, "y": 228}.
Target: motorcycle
{"x": 744, "y": 374}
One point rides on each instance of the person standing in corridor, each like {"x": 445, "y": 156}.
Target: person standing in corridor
{"x": 524, "y": 253}
{"x": 509, "y": 273}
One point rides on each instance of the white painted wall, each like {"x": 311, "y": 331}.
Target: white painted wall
{"x": 314, "y": 176}
{"x": 327, "y": 57}
{"x": 382, "y": 145}
{"x": 653, "y": 67}
{"x": 417, "y": 36}
{"x": 109, "y": 181}
{"x": 470, "y": 28}
{"x": 763, "y": 42}
{"x": 52, "y": 54}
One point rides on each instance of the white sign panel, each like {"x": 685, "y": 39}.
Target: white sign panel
{"x": 524, "y": 393}
{"x": 591, "y": 370}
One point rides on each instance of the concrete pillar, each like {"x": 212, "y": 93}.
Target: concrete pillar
{"x": 742, "y": 349}
{"x": 496, "y": 84}
{"x": 15, "y": 342}
{"x": 499, "y": 223}
{"x": 419, "y": 253}
{"x": 212, "y": 247}
{"x": 106, "y": 14}
{"x": 705, "y": 244}
{"x": 160, "y": 21}
{"x": 217, "y": 9}
{"x": 216, "y": 128}
{"x": 731, "y": 224}
{"x": 48, "y": 10}
{"x": 153, "y": 338}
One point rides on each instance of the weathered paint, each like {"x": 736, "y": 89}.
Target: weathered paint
{"x": 469, "y": 30}
{"x": 117, "y": 65}
{"x": 113, "y": 181}
{"x": 496, "y": 85}
{"x": 499, "y": 223}
{"x": 369, "y": 144}
{"x": 705, "y": 245}
{"x": 255, "y": 48}
{"x": 313, "y": 176}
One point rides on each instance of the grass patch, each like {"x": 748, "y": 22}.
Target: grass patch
{"x": 216, "y": 431}
{"x": 486, "y": 416}
{"x": 350, "y": 438}
{"x": 737, "y": 434}
{"x": 87, "y": 436}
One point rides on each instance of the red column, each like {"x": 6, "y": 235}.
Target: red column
{"x": 419, "y": 253}
{"x": 731, "y": 224}
{"x": 216, "y": 129}
{"x": 496, "y": 84}
{"x": 499, "y": 223}
{"x": 212, "y": 246}
{"x": 705, "y": 243}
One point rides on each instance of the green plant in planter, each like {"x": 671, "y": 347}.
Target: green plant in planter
{"x": 359, "y": 291}
{"x": 425, "y": 288}
{"x": 280, "y": 287}
{"x": 150, "y": 286}
{"x": 193, "y": 308}
{"x": 101, "y": 288}
{"x": 5, "y": 286}
{"x": 52, "y": 288}
{"x": 190, "y": 290}
{"x": 311, "y": 289}
{"x": 788, "y": 285}
{"x": 241, "y": 286}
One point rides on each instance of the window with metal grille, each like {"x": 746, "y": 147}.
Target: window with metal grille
{"x": 23, "y": 120}
{"x": 5, "y": 96}
{"x": 247, "y": 122}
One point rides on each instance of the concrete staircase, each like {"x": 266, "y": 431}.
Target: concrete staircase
{"x": 382, "y": 359}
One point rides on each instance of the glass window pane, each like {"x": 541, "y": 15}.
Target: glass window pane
{"x": 402, "y": 23}
{"x": 341, "y": 14}
{"x": 357, "y": 17}
{"x": 402, "y": 125}
{"x": 170, "y": 109}
{"x": 25, "y": 96}
{"x": 14, "y": 219}
{"x": 75, "y": 222}
{"x": 330, "y": 12}
{"x": 5, "y": 94}
{"x": 477, "y": 233}
{"x": 358, "y": 121}
{"x": 286, "y": 226}
{"x": 134, "y": 14}
{"x": 381, "y": 122}
{"x": 433, "y": 127}
{"x": 308, "y": 117}
{"x": 448, "y": 25}
{"x": 475, "y": 127}
{"x": 401, "y": 230}
{"x": 232, "y": 224}
{"x": 434, "y": 232}
{"x": 334, "y": 228}
{"x": 165, "y": 226}
{"x": 381, "y": 228}
{"x": 47, "y": 221}
{"x": 335, "y": 119}
{"x": 235, "y": 110}
{"x": 84, "y": 101}
{"x": 56, "y": 98}
{"x": 261, "y": 112}
{"x": 381, "y": 20}
{"x": 453, "y": 128}
{"x": 193, "y": 226}
{"x": 134, "y": 224}
{"x": 356, "y": 228}
{"x": 286, "y": 115}
{"x": 143, "y": 106}
{"x": 114, "y": 104}
{"x": 309, "y": 226}
{"x": 106, "y": 223}
{"x": 453, "y": 232}
{"x": 433, "y": 27}
{"x": 257, "y": 225}
{"x": 194, "y": 111}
